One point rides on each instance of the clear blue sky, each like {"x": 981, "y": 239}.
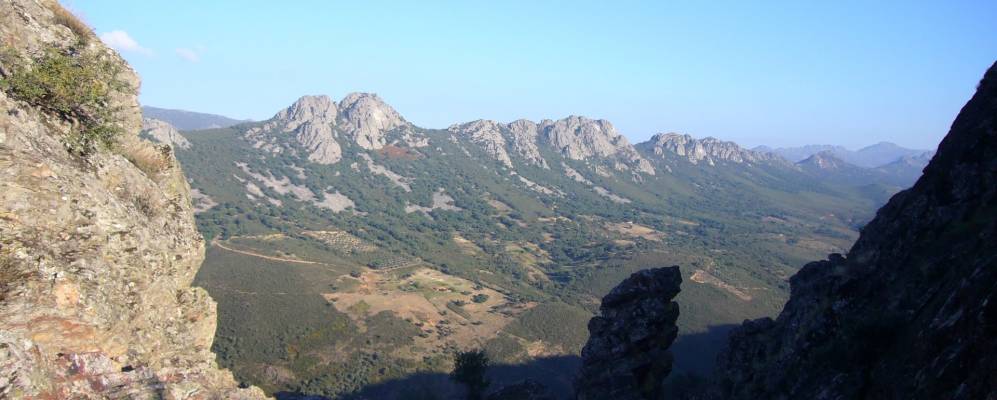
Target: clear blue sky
{"x": 778, "y": 73}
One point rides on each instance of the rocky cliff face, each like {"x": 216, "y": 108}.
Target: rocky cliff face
{"x": 488, "y": 135}
{"x": 499, "y": 140}
{"x": 708, "y": 150}
{"x": 579, "y": 138}
{"x": 96, "y": 254}
{"x": 911, "y": 312}
{"x": 627, "y": 356}
{"x": 317, "y": 123}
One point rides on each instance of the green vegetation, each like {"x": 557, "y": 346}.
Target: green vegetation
{"x": 479, "y": 298}
{"x": 546, "y": 258}
{"x": 556, "y": 323}
{"x": 72, "y": 84}
{"x": 469, "y": 370}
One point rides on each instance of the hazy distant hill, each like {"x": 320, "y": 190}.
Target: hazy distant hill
{"x": 189, "y": 120}
{"x": 825, "y": 166}
{"x": 873, "y": 156}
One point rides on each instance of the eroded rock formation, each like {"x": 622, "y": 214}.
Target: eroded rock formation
{"x": 626, "y": 356}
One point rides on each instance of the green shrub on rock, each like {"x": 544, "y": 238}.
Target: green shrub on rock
{"x": 74, "y": 85}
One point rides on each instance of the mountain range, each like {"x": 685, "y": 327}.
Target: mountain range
{"x": 872, "y": 156}
{"x": 338, "y": 251}
{"x": 373, "y": 221}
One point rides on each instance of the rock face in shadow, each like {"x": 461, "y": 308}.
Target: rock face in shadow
{"x": 911, "y": 312}
{"x": 97, "y": 253}
{"x": 627, "y": 356}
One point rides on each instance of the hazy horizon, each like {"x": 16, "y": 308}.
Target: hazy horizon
{"x": 756, "y": 74}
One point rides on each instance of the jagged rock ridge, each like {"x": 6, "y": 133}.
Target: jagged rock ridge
{"x": 709, "y": 150}
{"x": 627, "y": 356}
{"x": 575, "y": 138}
{"x": 911, "y": 312}
{"x": 97, "y": 255}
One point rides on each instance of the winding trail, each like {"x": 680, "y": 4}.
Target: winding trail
{"x": 249, "y": 253}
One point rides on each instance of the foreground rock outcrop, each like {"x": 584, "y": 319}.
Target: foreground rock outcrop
{"x": 911, "y": 312}
{"x": 627, "y": 356}
{"x": 97, "y": 253}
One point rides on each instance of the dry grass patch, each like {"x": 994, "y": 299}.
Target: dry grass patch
{"x": 701, "y": 276}
{"x": 633, "y": 230}
{"x": 466, "y": 245}
{"x": 150, "y": 158}
{"x": 66, "y": 18}
{"x": 441, "y": 305}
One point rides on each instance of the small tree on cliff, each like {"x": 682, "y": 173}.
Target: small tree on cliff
{"x": 469, "y": 370}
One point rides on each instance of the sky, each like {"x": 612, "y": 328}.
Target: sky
{"x": 790, "y": 73}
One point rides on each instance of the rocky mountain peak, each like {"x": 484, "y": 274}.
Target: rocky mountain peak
{"x": 316, "y": 123}
{"x": 366, "y": 119}
{"x": 579, "y": 138}
{"x": 709, "y": 150}
{"x": 823, "y": 160}
{"x": 309, "y": 109}
{"x": 311, "y": 121}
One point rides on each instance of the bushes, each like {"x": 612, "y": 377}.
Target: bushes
{"x": 480, "y": 298}
{"x": 72, "y": 85}
{"x": 469, "y": 369}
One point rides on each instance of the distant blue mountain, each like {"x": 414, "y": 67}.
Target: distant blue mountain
{"x": 189, "y": 120}
{"x": 877, "y": 155}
